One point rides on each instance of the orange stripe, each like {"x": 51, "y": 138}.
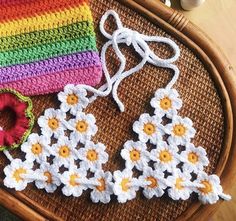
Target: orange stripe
{"x": 11, "y": 11}
{"x": 46, "y": 21}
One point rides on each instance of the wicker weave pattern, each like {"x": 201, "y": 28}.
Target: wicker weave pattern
{"x": 201, "y": 103}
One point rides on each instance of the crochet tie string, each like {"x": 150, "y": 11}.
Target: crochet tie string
{"x": 139, "y": 42}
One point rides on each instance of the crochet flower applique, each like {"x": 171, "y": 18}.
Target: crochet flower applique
{"x": 64, "y": 152}
{"x": 65, "y": 155}
{"x": 172, "y": 163}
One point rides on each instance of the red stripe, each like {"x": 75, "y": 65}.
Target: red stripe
{"x": 17, "y": 9}
{"x": 14, "y": 2}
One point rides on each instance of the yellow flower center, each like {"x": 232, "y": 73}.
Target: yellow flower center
{"x": 149, "y": 128}
{"x": 72, "y": 99}
{"x": 134, "y": 155}
{"x": 193, "y": 157}
{"x": 64, "y": 151}
{"x": 165, "y": 103}
{"x": 49, "y": 177}
{"x": 102, "y": 185}
{"x": 178, "y": 184}
{"x": 153, "y": 181}
{"x": 73, "y": 178}
{"x": 92, "y": 155}
{"x": 18, "y": 173}
{"x": 36, "y": 149}
{"x": 179, "y": 130}
{"x": 165, "y": 156}
{"x": 53, "y": 123}
{"x": 207, "y": 187}
{"x": 81, "y": 126}
{"x": 125, "y": 184}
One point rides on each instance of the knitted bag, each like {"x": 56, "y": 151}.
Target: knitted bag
{"x": 45, "y": 45}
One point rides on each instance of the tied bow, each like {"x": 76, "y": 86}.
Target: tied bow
{"x": 138, "y": 41}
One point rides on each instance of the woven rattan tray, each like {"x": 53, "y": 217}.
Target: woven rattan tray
{"x": 208, "y": 89}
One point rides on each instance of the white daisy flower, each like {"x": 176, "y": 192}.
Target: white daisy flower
{"x": 52, "y": 123}
{"x": 211, "y": 189}
{"x": 135, "y": 154}
{"x": 103, "y": 191}
{"x": 50, "y": 174}
{"x": 15, "y": 174}
{"x": 125, "y": 187}
{"x": 73, "y": 99}
{"x": 180, "y": 185}
{"x": 180, "y": 130}
{"x": 83, "y": 127}
{"x": 92, "y": 156}
{"x": 148, "y": 128}
{"x": 75, "y": 181}
{"x": 165, "y": 156}
{"x": 65, "y": 152}
{"x": 156, "y": 184}
{"x": 166, "y": 102}
{"x": 194, "y": 158}
{"x": 36, "y": 148}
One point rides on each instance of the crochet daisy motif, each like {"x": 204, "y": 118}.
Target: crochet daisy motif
{"x": 64, "y": 152}
{"x": 67, "y": 154}
{"x": 173, "y": 165}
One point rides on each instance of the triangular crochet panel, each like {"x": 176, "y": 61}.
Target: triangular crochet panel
{"x": 165, "y": 157}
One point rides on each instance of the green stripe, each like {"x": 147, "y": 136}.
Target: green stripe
{"x": 45, "y": 51}
{"x": 31, "y": 39}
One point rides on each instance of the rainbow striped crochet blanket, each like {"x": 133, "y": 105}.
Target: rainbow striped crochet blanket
{"x": 45, "y": 45}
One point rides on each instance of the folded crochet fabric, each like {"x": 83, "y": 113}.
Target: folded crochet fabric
{"x": 45, "y": 45}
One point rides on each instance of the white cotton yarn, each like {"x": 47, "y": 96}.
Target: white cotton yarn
{"x": 140, "y": 44}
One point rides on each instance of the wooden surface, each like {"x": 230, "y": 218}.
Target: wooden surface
{"x": 17, "y": 207}
{"x": 217, "y": 19}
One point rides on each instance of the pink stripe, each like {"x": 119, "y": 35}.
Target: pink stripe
{"x": 49, "y": 66}
{"x": 53, "y": 83}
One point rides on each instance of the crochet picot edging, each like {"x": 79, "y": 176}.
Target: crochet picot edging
{"x": 24, "y": 119}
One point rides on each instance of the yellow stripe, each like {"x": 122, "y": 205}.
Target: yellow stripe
{"x": 46, "y": 21}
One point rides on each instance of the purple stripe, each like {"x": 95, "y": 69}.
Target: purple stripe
{"x": 49, "y": 66}
{"x": 53, "y": 83}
